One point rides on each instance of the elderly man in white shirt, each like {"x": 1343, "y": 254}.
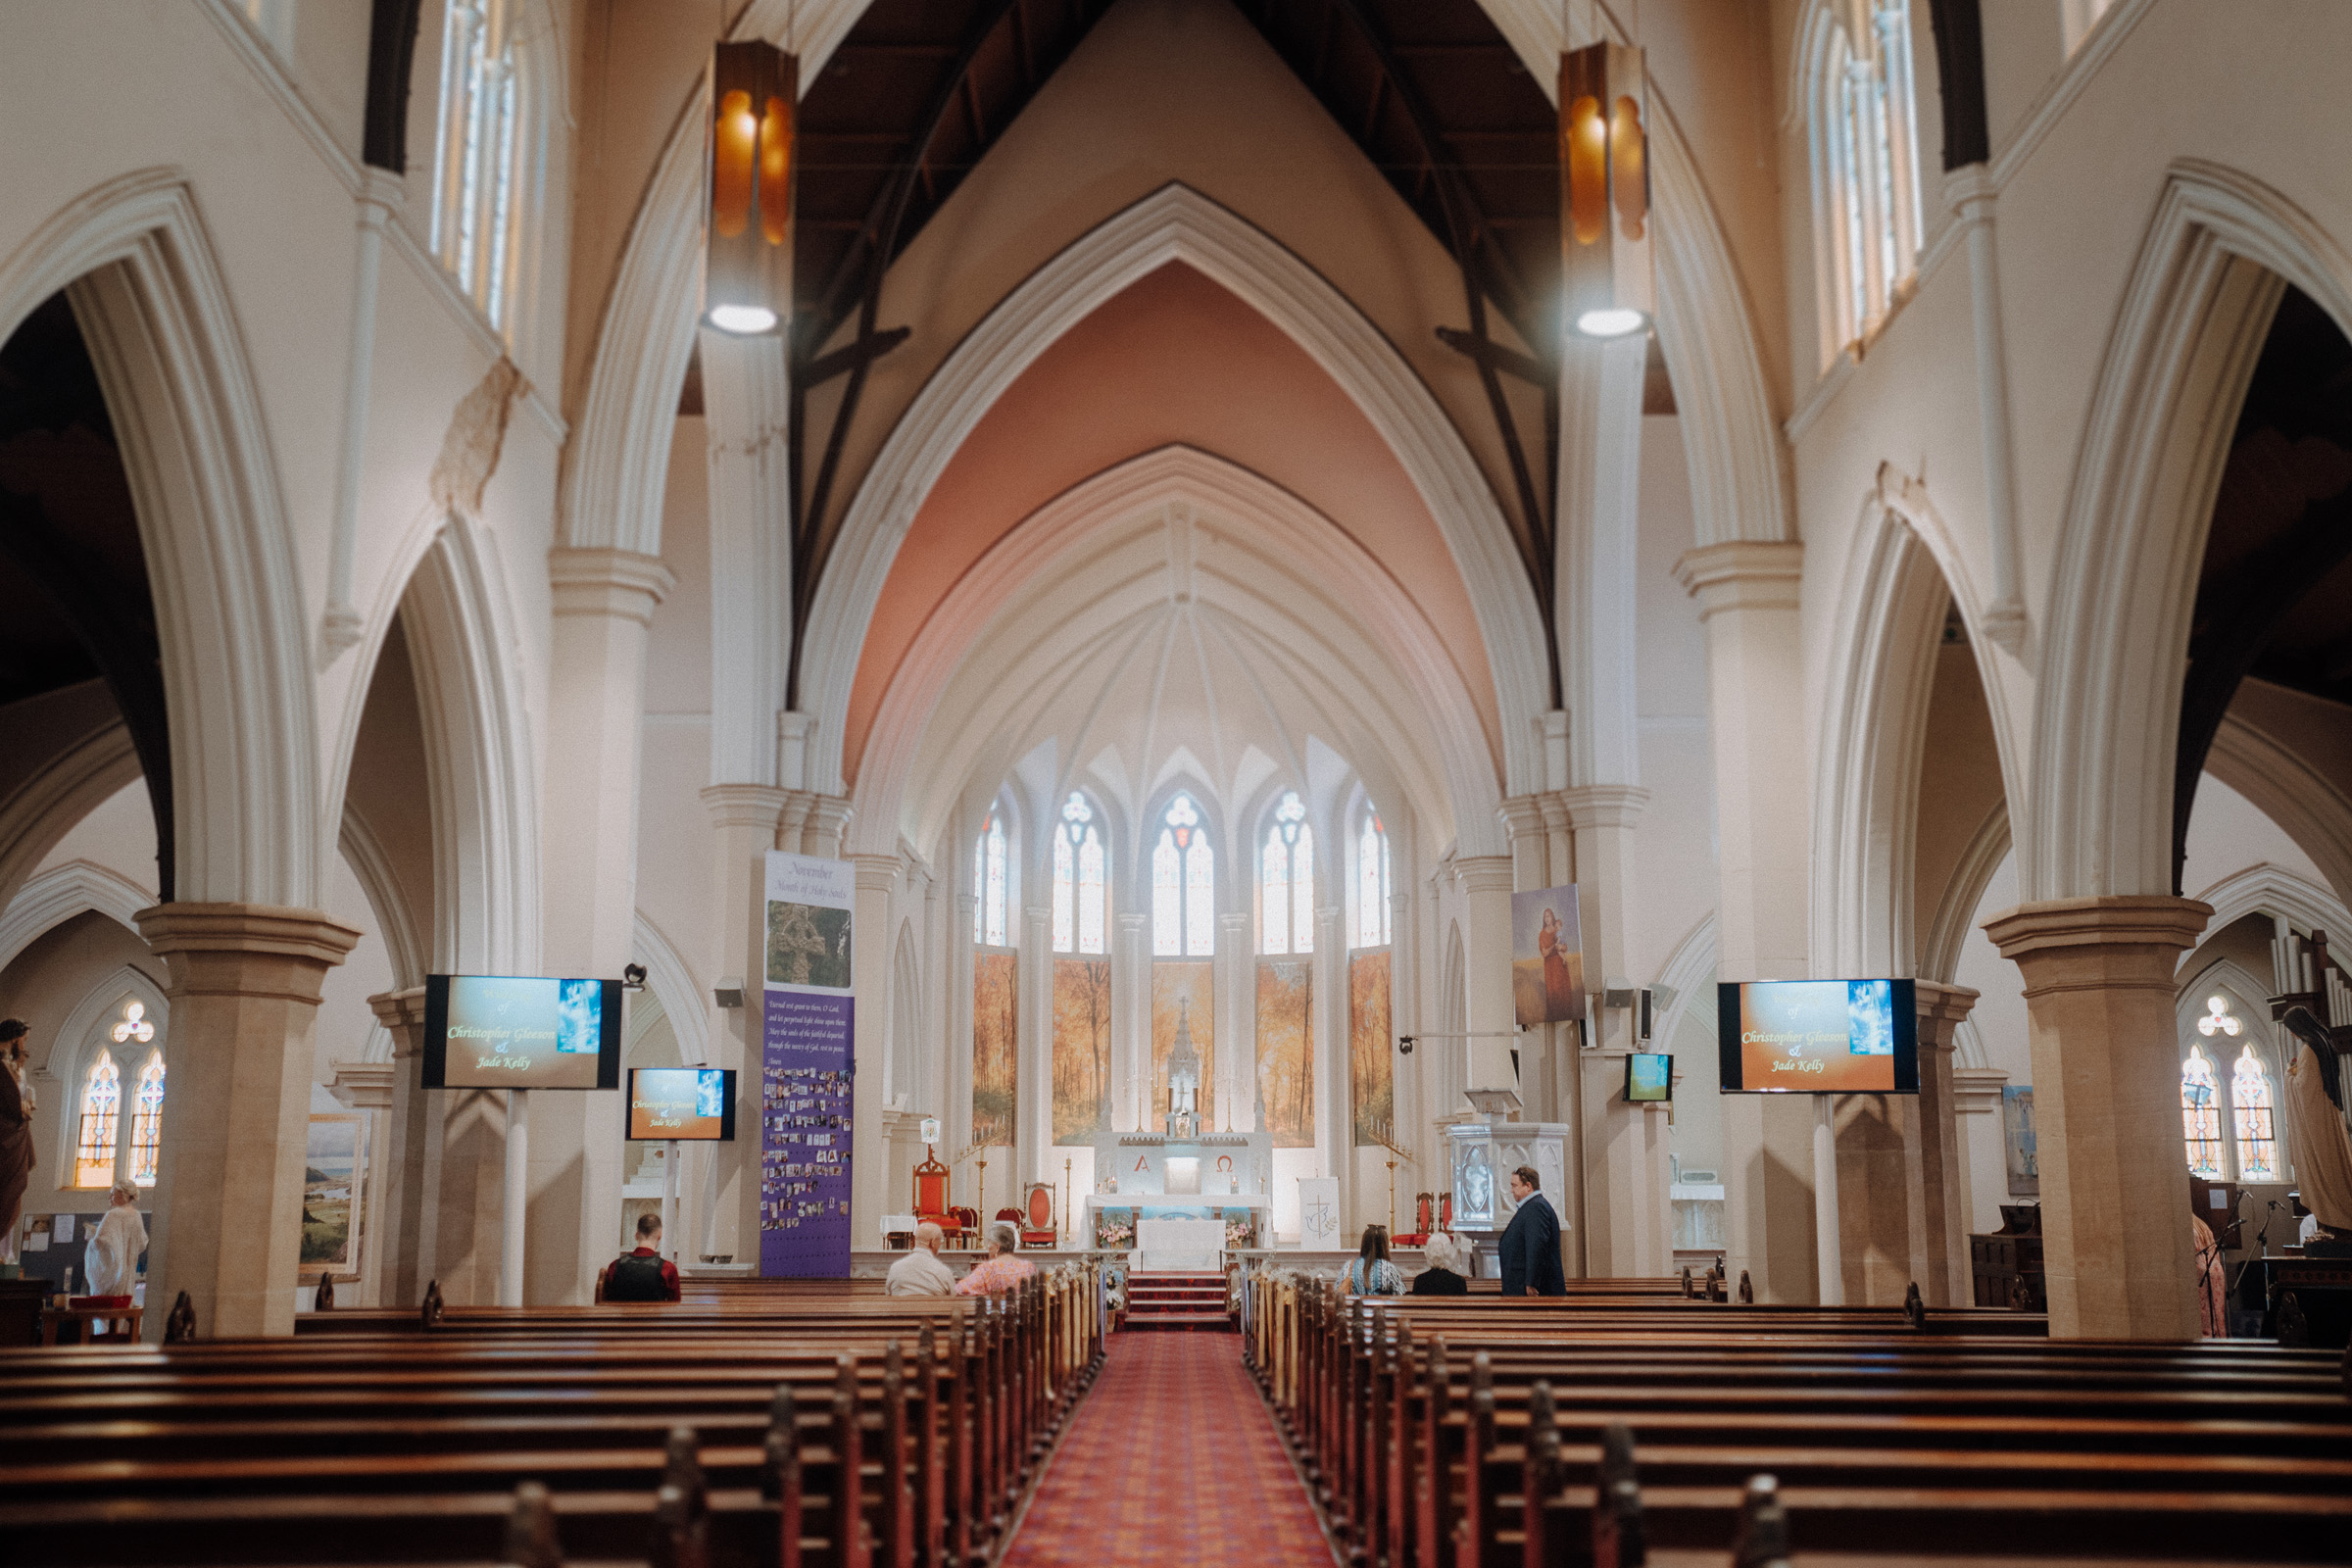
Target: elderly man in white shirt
{"x": 920, "y": 1272}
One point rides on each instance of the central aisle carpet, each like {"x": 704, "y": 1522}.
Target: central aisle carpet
{"x": 1172, "y": 1459}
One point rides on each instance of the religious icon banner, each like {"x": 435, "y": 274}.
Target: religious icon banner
{"x": 996, "y": 1012}
{"x": 1548, "y": 959}
{"x": 1286, "y": 1054}
{"x": 809, "y": 1063}
{"x": 1081, "y": 1049}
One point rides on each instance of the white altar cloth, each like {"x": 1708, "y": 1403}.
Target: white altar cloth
{"x": 1178, "y": 1244}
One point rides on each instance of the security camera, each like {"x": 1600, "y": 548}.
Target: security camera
{"x": 632, "y": 977}
{"x": 1404, "y": 1044}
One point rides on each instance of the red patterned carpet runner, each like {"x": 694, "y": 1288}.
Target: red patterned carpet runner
{"x": 1172, "y": 1459}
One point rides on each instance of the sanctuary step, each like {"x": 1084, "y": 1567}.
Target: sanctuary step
{"x": 1177, "y": 1303}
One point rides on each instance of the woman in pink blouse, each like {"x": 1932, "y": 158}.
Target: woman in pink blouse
{"x": 999, "y": 1270}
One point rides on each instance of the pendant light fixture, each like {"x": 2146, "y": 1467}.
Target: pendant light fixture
{"x": 747, "y": 269}
{"x": 1606, "y": 284}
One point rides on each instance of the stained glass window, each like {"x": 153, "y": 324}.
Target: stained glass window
{"x": 1287, "y": 880}
{"x": 147, "y": 1121}
{"x": 101, "y": 1112}
{"x": 2254, "y": 1112}
{"x": 1080, "y": 896}
{"x": 1372, "y": 883}
{"x": 1184, "y": 878}
{"x": 1868, "y": 216}
{"x": 2201, "y": 1115}
{"x": 990, "y": 883}
{"x": 474, "y": 215}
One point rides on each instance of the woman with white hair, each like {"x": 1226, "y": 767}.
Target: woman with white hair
{"x": 1444, "y": 1276}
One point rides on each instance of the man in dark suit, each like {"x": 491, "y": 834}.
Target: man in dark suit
{"x": 1531, "y": 1243}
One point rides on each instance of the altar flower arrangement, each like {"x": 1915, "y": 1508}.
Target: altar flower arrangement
{"x": 1241, "y": 1233}
{"x": 1114, "y": 1230}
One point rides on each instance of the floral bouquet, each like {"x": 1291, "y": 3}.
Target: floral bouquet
{"x": 1114, "y": 1230}
{"x": 1240, "y": 1232}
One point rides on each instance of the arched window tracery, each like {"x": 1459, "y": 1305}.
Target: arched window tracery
{"x": 2254, "y": 1111}
{"x": 1287, "y": 880}
{"x": 476, "y": 157}
{"x": 147, "y": 1121}
{"x": 992, "y": 883}
{"x": 1184, "y": 912}
{"x": 101, "y": 1113}
{"x": 1372, "y": 884}
{"x": 2201, "y": 1115}
{"x": 1081, "y": 884}
{"x": 1868, "y": 221}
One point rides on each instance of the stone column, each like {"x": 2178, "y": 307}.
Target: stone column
{"x": 872, "y": 941}
{"x": 1938, "y": 1179}
{"x": 1900, "y": 1196}
{"x": 604, "y": 599}
{"x": 410, "y": 1226}
{"x": 1623, "y": 1215}
{"x": 1236, "y": 997}
{"x": 1131, "y": 1022}
{"x": 244, "y": 996}
{"x": 744, "y": 820}
{"x": 959, "y": 1113}
{"x": 1748, "y": 593}
{"x": 1032, "y": 1058}
{"x": 1486, "y": 884}
{"x": 1335, "y": 1119}
{"x": 2099, "y": 1008}
{"x": 1983, "y": 1150}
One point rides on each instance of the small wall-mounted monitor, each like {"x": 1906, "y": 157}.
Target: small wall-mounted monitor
{"x": 691, "y": 1104}
{"x": 1649, "y": 1078}
{"x": 484, "y": 1030}
{"x": 1818, "y": 1037}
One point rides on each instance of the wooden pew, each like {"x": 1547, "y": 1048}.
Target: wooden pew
{"x": 254, "y": 1451}
{"x": 1421, "y": 1427}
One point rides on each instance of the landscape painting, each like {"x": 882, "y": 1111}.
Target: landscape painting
{"x": 1286, "y": 1056}
{"x": 995, "y": 1044}
{"x": 1371, "y": 1053}
{"x": 335, "y": 1167}
{"x": 1081, "y": 1048}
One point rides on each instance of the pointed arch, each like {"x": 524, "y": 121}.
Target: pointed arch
{"x": 58, "y": 894}
{"x": 670, "y": 978}
{"x": 133, "y": 258}
{"x": 2219, "y": 254}
{"x": 1175, "y": 223}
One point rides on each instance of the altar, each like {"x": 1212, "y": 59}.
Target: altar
{"x": 1179, "y": 1245}
{"x": 1177, "y": 1198}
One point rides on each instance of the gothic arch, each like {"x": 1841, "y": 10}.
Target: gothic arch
{"x": 2273, "y": 890}
{"x": 58, "y": 894}
{"x": 670, "y": 979}
{"x": 1175, "y": 223}
{"x": 133, "y": 258}
{"x": 2220, "y": 252}
{"x": 1456, "y": 786}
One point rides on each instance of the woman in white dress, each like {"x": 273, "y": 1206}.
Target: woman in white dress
{"x": 112, "y": 1259}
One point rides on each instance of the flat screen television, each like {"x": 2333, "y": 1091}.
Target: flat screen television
{"x": 485, "y": 1031}
{"x": 1818, "y": 1037}
{"x": 693, "y": 1105}
{"x": 1649, "y": 1078}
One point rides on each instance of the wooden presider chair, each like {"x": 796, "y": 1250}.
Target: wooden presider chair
{"x": 1036, "y": 1226}
{"x": 931, "y": 1197}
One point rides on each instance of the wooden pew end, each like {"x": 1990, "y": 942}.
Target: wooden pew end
{"x": 1747, "y": 1292}
{"x": 532, "y": 1540}
{"x": 180, "y": 1327}
{"x": 1915, "y": 1310}
{"x": 1763, "y": 1540}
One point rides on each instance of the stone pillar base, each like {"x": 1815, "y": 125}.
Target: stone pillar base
{"x": 2114, "y": 1185}
{"x": 244, "y": 992}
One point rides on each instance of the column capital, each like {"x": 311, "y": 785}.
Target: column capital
{"x": 1227, "y": 921}
{"x": 1129, "y": 919}
{"x": 1483, "y": 874}
{"x": 876, "y": 873}
{"x": 1977, "y": 1090}
{"x": 828, "y": 818}
{"x": 306, "y": 936}
{"x": 402, "y": 1013}
{"x": 2065, "y": 944}
{"x": 363, "y": 1085}
{"x": 752, "y": 806}
{"x": 1940, "y": 1010}
{"x": 1742, "y": 575}
{"x": 1593, "y": 806}
{"x": 1522, "y": 816}
{"x": 1968, "y": 193}
{"x": 597, "y": 580}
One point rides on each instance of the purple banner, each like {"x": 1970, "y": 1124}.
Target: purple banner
{"x": 807, "y": 1063}
{"x": 805, "y": 1093}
